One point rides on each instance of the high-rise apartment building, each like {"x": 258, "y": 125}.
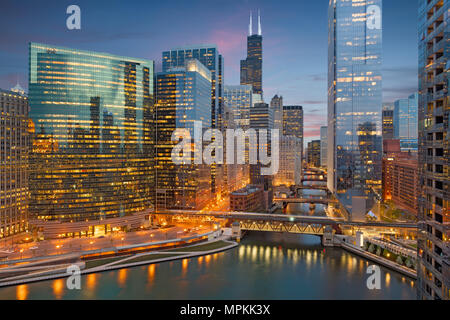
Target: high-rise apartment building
{"x": 323, "y": 146}
{"x": 209, "y": 56}
{"x": 406, "y": 123}
{"x": 434, "y": 109}
{"x": 14, "y": 145}
{"x": 182, "y": 97}
{"x": 355, "y": 104}
{"x": 388, "y": 121}
{"x": 251, "y": 67}
{"x": 239, "y": 101}
{"x": 91, "y": 167}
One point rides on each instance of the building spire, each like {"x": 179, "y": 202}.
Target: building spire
{"x": 259, "y": 24}
{"x": 250, "y": 26}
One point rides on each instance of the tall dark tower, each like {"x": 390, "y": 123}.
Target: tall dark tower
{"x": 251, "y": 68}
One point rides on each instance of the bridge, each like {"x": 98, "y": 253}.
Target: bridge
{"x": 319, "y": 200}
{"x": 324, "y": 188}
{"x": 285, "y": 223}
{"x": 313, "y": 179}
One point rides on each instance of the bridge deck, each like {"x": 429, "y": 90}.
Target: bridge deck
{"x": 287, "y": 218}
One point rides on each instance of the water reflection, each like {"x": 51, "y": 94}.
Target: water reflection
{"x": 22, "y": 292}
{"x": 268, "y": 266}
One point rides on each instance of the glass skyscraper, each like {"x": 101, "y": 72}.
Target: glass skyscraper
{"x": 251, "y": 67}
{"x": 183, "y": 96}
{"x": 355, "y": 103}
{"x": 210, "y": 57}
{"x": 405, "y": 122}
{"x": 239, "y": 101}
{"x": 93, "y": 138}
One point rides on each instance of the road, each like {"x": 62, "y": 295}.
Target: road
{"x": 71, "y": 245}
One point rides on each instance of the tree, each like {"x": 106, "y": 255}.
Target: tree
{"x": 379, "y": 251}
{"x": 371, "y": 248}
{"x": 399, "y": 260}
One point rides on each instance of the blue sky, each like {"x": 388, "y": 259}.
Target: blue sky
{"x": 295, "y": 40}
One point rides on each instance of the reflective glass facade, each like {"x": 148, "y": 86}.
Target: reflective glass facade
{"x": 405, "y": 122}
{"x": 251, "y": 68}
{"x": 355, "y": 103}
{"x": 239, "y": 101}
{"x": 183, "y": 96}
{"x": 210, "y": 57}
{"x": 93, "y": 138}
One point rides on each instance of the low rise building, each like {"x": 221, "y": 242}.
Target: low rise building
{"x": 248, "y": 199}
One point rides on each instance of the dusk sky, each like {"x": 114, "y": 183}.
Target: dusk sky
{"x": 295, "y": 35}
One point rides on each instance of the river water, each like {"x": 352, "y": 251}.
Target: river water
{"x": 264, "y": 266}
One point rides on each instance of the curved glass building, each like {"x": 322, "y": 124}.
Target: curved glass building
{"x": 92, "y": 122}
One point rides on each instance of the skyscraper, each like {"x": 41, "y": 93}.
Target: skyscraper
{"x": 323, "y": 146}
{"x": 182, "y": 97}
{"x": 405, "y": 122}
{"x": 388, "y": 121}
{"x": 239, "y": 101}
{"x": 355, "y": 103}
{"x": 313, "y": 153}
{"x": 14, "y": 163}
{"x": 277, "y": 106}
{"x": 261, "y": 117}
{"x": 210, "y": 57}
{"x": 251, "y": 67}
{"x": 93, "y": 141}
{"x": 434, "y": 233}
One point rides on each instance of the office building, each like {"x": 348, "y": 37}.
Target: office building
{"x": 406, "y": 123}
{"x": 290, "y": 160}
{"x": 434, "y": 233}
{"x": 388, "y": 121}
{"x": 313, "y": 153}
{"x": 261, "y": 117}
{"x": 251, "y": 67}
{"x": 276, "y": 104}
{"x": 182, "y": 97}
{"x": 400, "y": 177}
{"x": 91, "y": 167}
{"x": 247, "y": 199}
{"x": 238, "y": 98}
{"x": 355, "y": 104}
{"x": 14, "y": 147}
{"x": 210, "y": 57}
{"x": 323, "y": 146}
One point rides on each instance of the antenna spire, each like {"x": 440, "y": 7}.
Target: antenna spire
{"x": 250, "y": 26}
{"x": 259, "y": 24}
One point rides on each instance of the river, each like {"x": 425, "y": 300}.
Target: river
{"x": 264, "y": 266}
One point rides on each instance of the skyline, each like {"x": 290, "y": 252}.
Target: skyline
{"x": 300, "y": 79}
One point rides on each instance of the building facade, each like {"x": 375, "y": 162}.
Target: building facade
{"x": 406, "y": 123}
{"x": 289, "y": 172}
{"x": 401, "y": 180}
{"x": 355, "y": 104}
{"x": 276, "y": 104}
{"x": 313, "y": 153}
{"x": 182, "y": 97}
{"x": 93, "y": 139}
{"x": 323, "y": 146}
{"x": 247, "y": 199}
{"x": 261, "y": 118}
{"x": 388, "y": 121}
{"x": 14, "y": 147}
{"x": 209, "y": 56}
{"x": 239, "y": 101}
{"x": 251, "y": 67}
{"x": 434, "y": 233}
